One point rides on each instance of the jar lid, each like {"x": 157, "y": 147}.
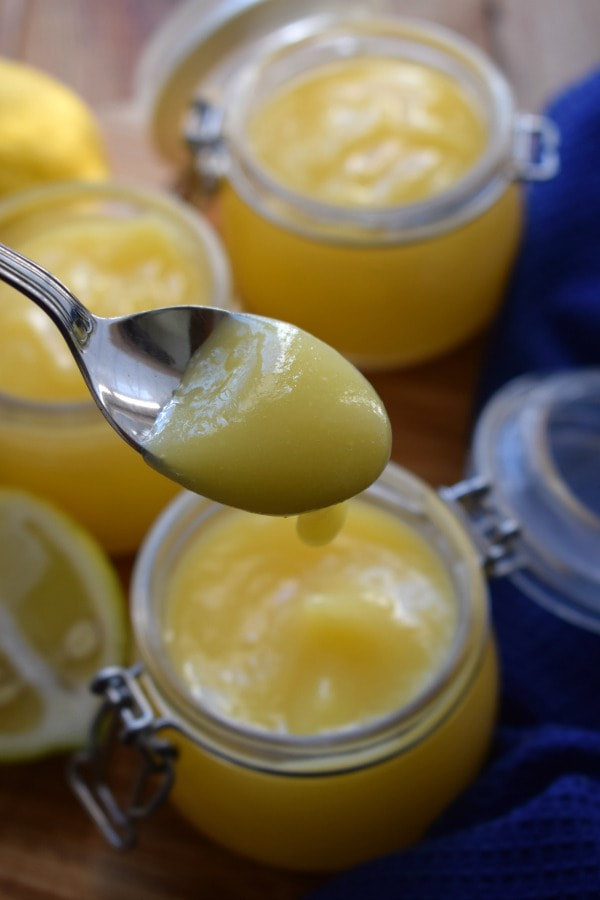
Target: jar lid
{"x": 537, "y": 445}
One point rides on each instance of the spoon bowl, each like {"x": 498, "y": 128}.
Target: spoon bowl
{"x": 131, "y": 364}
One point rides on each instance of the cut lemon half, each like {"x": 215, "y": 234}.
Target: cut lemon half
{"x": 62, "y": 617}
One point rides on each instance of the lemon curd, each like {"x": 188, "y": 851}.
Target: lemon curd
{"x": 369, "y": 133}
{"x": 320, "y": 526}
{"x": 119, "y": 250}
{"x": 329, "y": 701}
{"x": 271, "y": 420}
{"x": 370, "y": 196}
{"x": 290, "y": 638}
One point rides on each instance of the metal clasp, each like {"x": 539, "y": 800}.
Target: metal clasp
{"x": 125, "y": 718}
{"x": 535, "y": 147}
{"x": 495, "y": 536}
{"x": 203, "y": 134}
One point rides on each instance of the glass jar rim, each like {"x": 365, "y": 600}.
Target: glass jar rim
{"x": 474, "y": 192}
{"x": 30, "y": 200}
{"x": 235, "y": 740}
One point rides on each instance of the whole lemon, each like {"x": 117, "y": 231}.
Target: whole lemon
{"x": 47, "y": 133}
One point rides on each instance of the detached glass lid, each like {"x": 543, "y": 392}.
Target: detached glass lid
{"x": 537, "y": 446}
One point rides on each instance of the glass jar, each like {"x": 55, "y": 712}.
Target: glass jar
{"x": 333, "y": 799}
{"x": 66, "y": 451}
{"x": 386, "y": 285}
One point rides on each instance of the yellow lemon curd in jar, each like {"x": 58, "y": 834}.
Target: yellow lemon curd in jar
{"x": 268, "y": 633}
{"x": 269, "y": 419}
{"x": 115, "y": 265}
{"x": 369, "y": 133}
{"x": 290, "y": 638}
{"x": 357, "y": 136}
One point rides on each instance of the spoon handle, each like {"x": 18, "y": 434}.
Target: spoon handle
{"x": 75, "y": 322}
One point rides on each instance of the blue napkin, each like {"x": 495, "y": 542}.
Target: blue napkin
{"x": 551, "y": 314}
{"x": 529, "y": 827}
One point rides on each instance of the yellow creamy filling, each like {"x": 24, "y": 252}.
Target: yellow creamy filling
{"x": 369, "y": 132}
{"x": 269, "y": 419}
{"x": 291, "y": 638}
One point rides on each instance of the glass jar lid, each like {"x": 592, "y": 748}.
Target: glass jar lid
{"x": 537, "y": 445}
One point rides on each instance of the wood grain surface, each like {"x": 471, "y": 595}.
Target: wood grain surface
{"x": 48, "y": 848}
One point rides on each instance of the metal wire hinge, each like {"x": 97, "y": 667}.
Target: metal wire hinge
{"x": 125, "y": 718}
{"x": 535, "y": 147}
{"x": 203, "y": 134}
{"x": 495, "y": 536}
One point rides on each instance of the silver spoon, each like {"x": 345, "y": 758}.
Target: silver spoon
{"x": 134, "y": 365}
{"x": 131, "y": 364}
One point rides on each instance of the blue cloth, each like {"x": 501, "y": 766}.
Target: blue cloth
{"x": 529, "y": 827}
{"x": 551, "y": 314}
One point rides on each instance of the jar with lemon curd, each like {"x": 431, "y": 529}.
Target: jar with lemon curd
{"x": 328, "y": 703}
{"x": 120, "y": 249}
{"x": 366, "y": 167}
{"x": 316, "y": 726}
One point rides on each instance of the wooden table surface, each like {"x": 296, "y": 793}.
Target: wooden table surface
{"x": 48, "y": 848}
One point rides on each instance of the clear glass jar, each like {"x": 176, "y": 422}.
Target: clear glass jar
{"x": 66, "y": 451}
{"x": 332, "y": 799}
{"x": 387, "y": 286}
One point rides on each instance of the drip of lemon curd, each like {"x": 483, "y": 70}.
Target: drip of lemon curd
{"x": 321, "y": 525}
{"x": 114, "y": 267}
{"x": 368, "y": 132}
{"x": 269, "y": 419}
{"x": 268, "y": 631}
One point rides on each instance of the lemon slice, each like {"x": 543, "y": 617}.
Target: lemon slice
{"x": 62, "y": 617}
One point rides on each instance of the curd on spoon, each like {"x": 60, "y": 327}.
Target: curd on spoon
{"x": 271, "y": 420}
